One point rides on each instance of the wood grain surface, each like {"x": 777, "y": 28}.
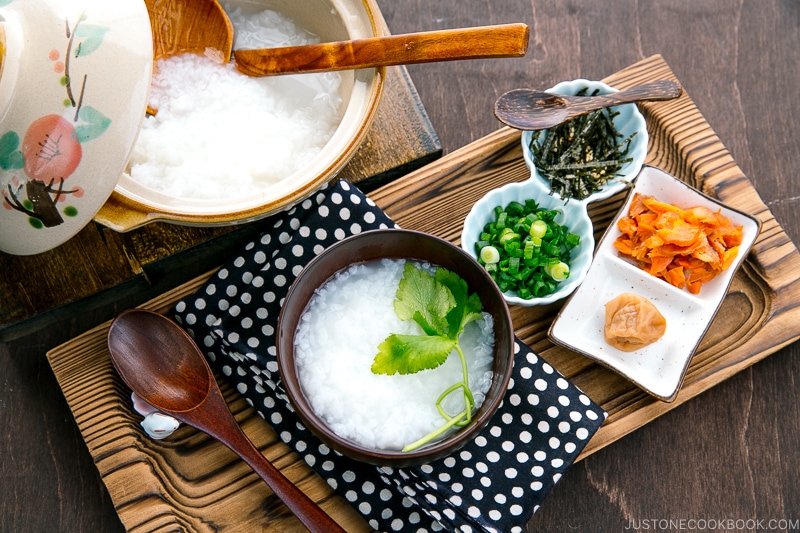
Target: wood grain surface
{"x": 729, "y": 453}
{"x": 174, "y": 473}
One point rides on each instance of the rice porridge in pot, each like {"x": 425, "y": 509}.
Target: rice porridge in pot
{"x": 221, "y": 134}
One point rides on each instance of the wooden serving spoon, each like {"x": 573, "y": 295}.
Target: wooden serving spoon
{"x": 189, "y": 27}
{"x": 528, "y": 109}
{"x": 162, "y": 364}
{"x": 197, "y": 27}
{"x": 504, "y": 40}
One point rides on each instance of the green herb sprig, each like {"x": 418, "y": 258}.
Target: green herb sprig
{"x": 581, "y": 155}
{"x": 441, "y": 305}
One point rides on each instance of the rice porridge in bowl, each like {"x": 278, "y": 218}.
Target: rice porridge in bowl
{"x": 333, "y": 350}
{"x": 227, "y": 148}
{"x": 392, "y": 351}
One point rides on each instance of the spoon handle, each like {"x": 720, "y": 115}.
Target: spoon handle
{"x": 232, "y": 436}
{"x": 505, "y": 40}
{"x": 655, "y": 90}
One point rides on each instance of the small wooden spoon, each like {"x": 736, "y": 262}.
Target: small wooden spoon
{"x": 189, "y": 26}
{"x": 162, "y": 364}
{"x": 527, "y": 109}
{"x": 505, "y": 40}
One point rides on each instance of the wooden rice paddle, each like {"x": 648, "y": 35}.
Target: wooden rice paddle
{"x": 162, "y": 364}
{"x": 505, "y": 40}
{"x": 189, "y": 27}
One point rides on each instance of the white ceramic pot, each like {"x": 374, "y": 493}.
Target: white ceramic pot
{"x": 74, "y": 85}
{"x": 134, "y": 204}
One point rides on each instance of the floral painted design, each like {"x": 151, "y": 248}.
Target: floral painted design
{"x": 43, "y": 158}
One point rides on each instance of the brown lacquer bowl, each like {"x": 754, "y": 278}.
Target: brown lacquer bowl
{"x": 395, "y": 244}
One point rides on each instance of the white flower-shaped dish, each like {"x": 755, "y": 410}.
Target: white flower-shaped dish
{"x": 574, "y": 212}
{"x": 75, "y": 78}
{"x": 573, "y": 215}
{"x": 627, "y": 122}
{"x": 660, "y": 367}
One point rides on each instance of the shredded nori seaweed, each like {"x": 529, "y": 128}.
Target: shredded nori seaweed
{"x": 581, "y": 155}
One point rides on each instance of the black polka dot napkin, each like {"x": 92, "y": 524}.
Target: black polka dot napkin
{"x": 493, "y": 484}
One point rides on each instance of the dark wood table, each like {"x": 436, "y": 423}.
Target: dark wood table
{"x": 727, "y": 457}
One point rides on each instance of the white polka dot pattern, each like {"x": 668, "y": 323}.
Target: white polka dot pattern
{"x": 493, "y": 484}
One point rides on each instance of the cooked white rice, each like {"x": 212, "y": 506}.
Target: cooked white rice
{"x": 221, "y": 134}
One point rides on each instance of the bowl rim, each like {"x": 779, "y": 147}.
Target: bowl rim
{"x": 429, "y": 452}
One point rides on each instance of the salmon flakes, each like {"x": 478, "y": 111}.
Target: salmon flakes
{"x": 685, "y": 247}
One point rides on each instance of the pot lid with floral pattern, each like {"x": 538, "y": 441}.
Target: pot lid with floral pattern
{"x": 74, "y": 81}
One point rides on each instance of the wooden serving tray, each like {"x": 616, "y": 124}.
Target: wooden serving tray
{"x": 192, "y": 483}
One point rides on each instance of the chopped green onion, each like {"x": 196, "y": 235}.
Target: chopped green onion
{"x": 501, "y": 220}
{"x": 508, "y": 235}
{"x": 525, "y": 250}
{"x": 515, "y": 209}
{"x": 538, "y": 229}
{"x": 573, "y": 240}
{"x": 558, "y": 271}
{"x": 490, "y": 255}
{"x": 527, "y": 253}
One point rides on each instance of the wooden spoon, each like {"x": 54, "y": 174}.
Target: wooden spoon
{"x": 190, "y": 26}
{"x": 527, "y": 109}
{"x": 162, "y": 364}
{"x": 505, "y": 40}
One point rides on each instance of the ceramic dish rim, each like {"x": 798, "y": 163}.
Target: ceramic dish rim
{"x": 480, "y": 214}
{"x": 432, "y": 450}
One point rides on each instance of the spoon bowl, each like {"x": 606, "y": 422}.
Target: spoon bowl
{"x": 196, "y": 26}
{"x": 182, "y": 383}
{"x": 189, "y": 27}
{"x": 528, "y": 109}
{"x": 163, "y": 365}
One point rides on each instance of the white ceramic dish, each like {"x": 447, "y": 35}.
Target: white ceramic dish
{"x": 574, "y": 216}
{"x": 660, "y": 367}
{"x": 575, "y": 212}
{"x": 628, "y": 121}
{"x": 75, "y": 79}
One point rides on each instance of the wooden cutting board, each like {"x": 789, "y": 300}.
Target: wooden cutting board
{"x": 191, "y": 483}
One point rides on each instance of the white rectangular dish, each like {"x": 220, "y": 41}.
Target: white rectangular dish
{"x": 658, "y": 368}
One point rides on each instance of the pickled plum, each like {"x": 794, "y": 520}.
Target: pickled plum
{"x": 633, "y": 322}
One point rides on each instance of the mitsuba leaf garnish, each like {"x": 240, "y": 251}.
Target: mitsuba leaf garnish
{"x": 441, "y": 305}
{"x": 468, "y": 306}
{"x": 420, "y": 297}
{"x": 408, "y": 354}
